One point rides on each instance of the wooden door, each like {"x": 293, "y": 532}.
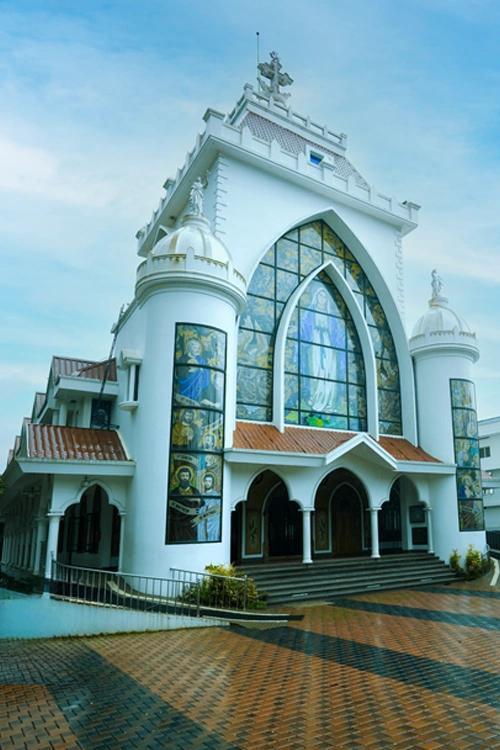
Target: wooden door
{"x": 346, "y": 522}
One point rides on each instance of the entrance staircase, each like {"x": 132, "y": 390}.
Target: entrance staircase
{"x": 326, "y": 579}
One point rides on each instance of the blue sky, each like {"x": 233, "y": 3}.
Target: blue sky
{"x": 102, "y": 98}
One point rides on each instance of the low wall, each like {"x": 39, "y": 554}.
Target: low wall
{"x": 43, "y": 617}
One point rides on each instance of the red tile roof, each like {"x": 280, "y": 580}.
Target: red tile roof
{"x": 73, "y": 443}
{"x": 403, "y": 450}
{"x": 68, "y": 365}
{"x": 83, "y": 368}
{"x": 265, "y": 437}
{"x": 99, "y": 369}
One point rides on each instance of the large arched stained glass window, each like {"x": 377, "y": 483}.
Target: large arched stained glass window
{"x": 324, "y": 372}
{"x": 279, "y": 273}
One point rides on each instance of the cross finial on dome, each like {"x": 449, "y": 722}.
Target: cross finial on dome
{"x": 195, "y": 203}
{"x": 272, "y": 71}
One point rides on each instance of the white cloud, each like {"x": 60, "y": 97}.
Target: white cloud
{"x": 31, "y": 170}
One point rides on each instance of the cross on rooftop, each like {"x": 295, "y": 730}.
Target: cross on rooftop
{"x": 272, "y": 71}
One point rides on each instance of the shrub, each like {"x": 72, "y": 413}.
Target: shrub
{"x": 455, "y": 562}
{"x": 221, "y": 590}
{"x": 473, "y": 563}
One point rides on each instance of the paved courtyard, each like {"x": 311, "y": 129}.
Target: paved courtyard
{"x": 412, "y": 670}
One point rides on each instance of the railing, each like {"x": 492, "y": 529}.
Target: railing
{"x": 122, "y": 590}
{"x": 212, "y": 590}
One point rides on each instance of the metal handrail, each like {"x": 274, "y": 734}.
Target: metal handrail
{"x": 121, "y": 590}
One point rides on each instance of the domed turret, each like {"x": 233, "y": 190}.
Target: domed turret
{"x": 194, "y": 235}
{"x": 444, "y": 349}
{"x": 440, "y": 326}
{"x": 191, "y": 256}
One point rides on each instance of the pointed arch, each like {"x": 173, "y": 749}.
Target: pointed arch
{"x": 395, "y": 371}
{"x": 364, "y": 338}
{"x": 111, "y": 498}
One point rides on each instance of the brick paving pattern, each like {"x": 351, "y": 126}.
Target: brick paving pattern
{"x": 395, "y": 670}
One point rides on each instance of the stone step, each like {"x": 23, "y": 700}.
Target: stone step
{"x": 293, "y": 581}
{"x": 257, "y": 569}
{"x": 349, "y": 588}
{"x": 311, "y": 574}
{"x": 315, "y": 585}
{"x": 334, "y": 580}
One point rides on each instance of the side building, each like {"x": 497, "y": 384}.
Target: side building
{"x": 263, "y": 400}
{"x": 489, "y": 450}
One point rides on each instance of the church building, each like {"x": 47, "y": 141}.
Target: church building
{"x": 262, "y": 400}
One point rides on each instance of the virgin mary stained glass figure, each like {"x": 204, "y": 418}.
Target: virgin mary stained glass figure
{"x": 324, "y": 332}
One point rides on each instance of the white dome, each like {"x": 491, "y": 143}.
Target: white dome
{"x": 441, "y": 328}
{"x": 196, "y": 236}
{"x": 440, "y": 318}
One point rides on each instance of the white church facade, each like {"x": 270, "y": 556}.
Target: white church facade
{"x": 263, "y": 400}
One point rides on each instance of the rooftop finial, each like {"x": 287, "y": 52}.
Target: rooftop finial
{"x": 436, "y": 284}
{"x": 195, "y": 203}
{"x": 272, "y": 71}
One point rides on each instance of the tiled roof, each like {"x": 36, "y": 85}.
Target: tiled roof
{"x": 54, "y": 442}
{"x": 267, "y": 130}
{"x": 265, "y": 437}
{"x": 68, "y": 365}
{"x": 38, "y": 402}
{"x": 83, "y": 368}
{"x": 98, "y": 370}
{"x": 403, "y": 450}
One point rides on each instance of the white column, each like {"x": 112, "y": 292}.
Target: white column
{"x": 26, "y": 555}
{"x": 53, "y": 535}
{"x": 86, "y": 412}
{"x": 63, "y": 413}
{"x": 306, "y": 537}
{"x": 132, "y": 374}
{"x": 122, "y": 540}
{"x": 41, "y": 535}
{"x": 430, "y": 540}
{"x": 6, "y": 549}
{"x": 374, "y": 529}
{"x": 19, "y": 549}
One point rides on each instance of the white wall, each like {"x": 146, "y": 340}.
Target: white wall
{"x": 145, "y": 551}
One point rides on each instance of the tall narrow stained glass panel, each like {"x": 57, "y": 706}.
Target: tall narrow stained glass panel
{"x": 466, "y": 437}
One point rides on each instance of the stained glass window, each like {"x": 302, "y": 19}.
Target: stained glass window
{"x": 466, "y": 437}
{"x": 324, "y": 381}
{"x": 281, "y": 270}
{"x": 194, "y": 505}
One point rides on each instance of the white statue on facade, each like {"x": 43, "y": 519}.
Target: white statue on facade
{"x": 195, "y": 203}
{"x": 272, "y": 71}
{"x": 436, "y": 284}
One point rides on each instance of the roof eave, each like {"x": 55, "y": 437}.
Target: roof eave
{"x": 211, "y": 145}
{"x": 73, "y": 466}
{"x": 279, "y": 458}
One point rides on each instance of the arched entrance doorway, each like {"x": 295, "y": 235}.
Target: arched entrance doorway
{"x": 389, "y": 521}
{"x": 89, "y": 532}
{"x": 341, "y": 524}
{"x": 284, "y": 524}
{"x": 267, "y": 525}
